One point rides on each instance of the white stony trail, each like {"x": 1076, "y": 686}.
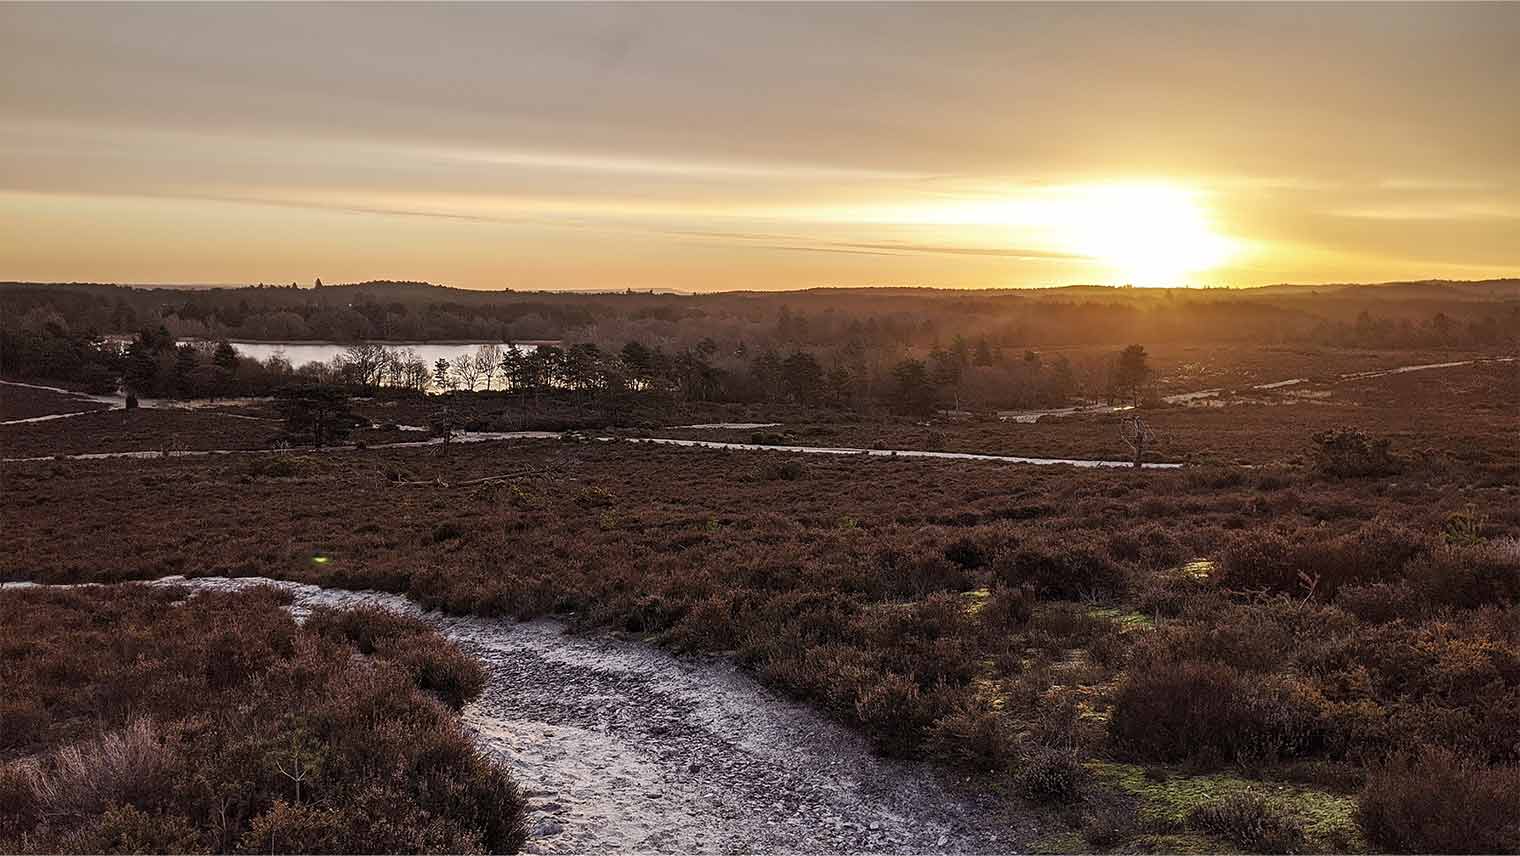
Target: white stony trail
{"x": 119, "y": 402}
{"x": 485, "y": 436}
{"x": 621, "y": 747}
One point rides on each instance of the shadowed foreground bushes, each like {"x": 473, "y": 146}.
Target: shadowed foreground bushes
{"x": 135, "y": 721}
{"x": 1180, "y": 710}
{"x": 1251, "y": 822}
{"x": 956, "y": 611}
{"x": 1437, "y": 801}
{"x": 433, "y": 664}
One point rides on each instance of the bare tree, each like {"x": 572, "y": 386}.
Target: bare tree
{"x": 1138, "y": 435}
{"x": 367, "y": 363}
{"x": 487, "y": 362}
{"x": 413, "y": 370}
{"x": 299, "y": 769}
{"x": 467, "y": 371}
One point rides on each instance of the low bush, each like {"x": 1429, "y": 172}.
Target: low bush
{"x": 783, "y": 469}
{"x": 1437, "y": 801}
{"x": 124, "y": 766}
{"x": 967, "y": 552}
{"x": 1150, "y": 546}
{"x": 1051, "y": 775}
{"x": 217, "y": 723}
{"x": 1062, "y": 569}
{"x": 917, "y": 571}
{"x": 1349, "y": 453}
{"x": 982, "y": 740}
{"x": 433, "y": 664}
{"x": 1377, "y": 551}
{"x": 1210, "y": 712}
{"x": 1251, "y": 822}
{"x": 1380, "y": 603}
{"x": 1467, "y": 576}
{"x": 896, "y": 713}
{"x": 1109, "y": 825}
{"x": 1006, "y": 610}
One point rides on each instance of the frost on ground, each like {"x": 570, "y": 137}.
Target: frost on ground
{"x": 622, "y": 747}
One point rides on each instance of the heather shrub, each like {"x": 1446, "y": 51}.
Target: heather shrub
{"x": 438, "y": 667}
{"x": 1380, "y": 603}
{"x": 1006, "y": 610}
{"x": 1150, "y": 546}
{"x": 1062, "y": 569}
{"x": 1347, "y": 453}
{"x": 1209, "y": 712}
{"x": 918, "y": 571}
{"x": 1108, "y": 825}
{"x": 1066, "y": 625}
{"x": 783, "y": 469}
{"x": 1437, "y": 801}
{"x": 928, "y": 641}
{"x": 896, "y": 713}
{"x": 710, "y": 624}
{"x": 967, "y": 552}
{"x": 127, "y": 829}
{"x": 366, "y": 628}
{"x": 980, "y": 739}
{"x": 287, "y": 828}
{"x": 22, "y": 810}
{"x": 433, "y": 664}
{"x": 1111, "y": 650}
{"x": 1050, "y": 775}
{"x": 120, "y": 767}
{"x": 1250, "y": 821}
{"x": 22, "y": 722}
{"x": 151, "y": 742}
{"x": 1250, "y": 638}
{"x": 1376, "y": 551}
{"x": 1467, "y": 576}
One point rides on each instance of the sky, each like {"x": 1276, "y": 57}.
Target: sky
{"x": 771, "y": 146}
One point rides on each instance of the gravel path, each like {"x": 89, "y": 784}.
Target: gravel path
{"x": 622, "y": 747}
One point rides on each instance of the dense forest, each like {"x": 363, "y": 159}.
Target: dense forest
{"x": 912, "y": 350}
{"x": 1395, "y": 315}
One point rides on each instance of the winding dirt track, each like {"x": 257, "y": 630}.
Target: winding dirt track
{"x": 621, "y": 747}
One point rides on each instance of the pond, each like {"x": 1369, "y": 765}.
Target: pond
{"x": 301, "y": 353}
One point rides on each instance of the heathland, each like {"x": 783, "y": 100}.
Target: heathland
{"x": 1306, "y": 638}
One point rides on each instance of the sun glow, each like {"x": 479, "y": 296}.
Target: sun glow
{"x": 1145, "y": 234}
{"x": 1139, "y": 233}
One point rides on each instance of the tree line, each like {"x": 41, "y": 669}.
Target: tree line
{"x": 964, "y": 374}
{"x": 1417, "y": 315}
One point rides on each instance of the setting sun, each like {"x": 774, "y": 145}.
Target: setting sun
{"x": 1145, "y": 234}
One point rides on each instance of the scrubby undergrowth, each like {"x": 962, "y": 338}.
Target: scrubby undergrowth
{"x": 1278, "y": 624}
{"x": 132, "y": 720}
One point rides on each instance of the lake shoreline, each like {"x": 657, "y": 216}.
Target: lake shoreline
{"x": 388, "y": 343}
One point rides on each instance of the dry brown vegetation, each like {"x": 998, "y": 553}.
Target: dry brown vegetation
{"x": 20, "y": 402}
{"x": 133, "y": 720}
{"x": 1466, "y": 415}
{"x": 1279, "y": 623}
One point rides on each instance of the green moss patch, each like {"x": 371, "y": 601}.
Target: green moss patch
{"x": 1127, "y": 619}
{"x": 1328, "y": 819}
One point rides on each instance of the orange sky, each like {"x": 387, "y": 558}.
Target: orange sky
{"x": 708, "y": 147}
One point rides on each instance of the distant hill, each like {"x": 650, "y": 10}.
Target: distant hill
{"x": 1483, "y": 289}
{"x": 1487, "y": 289}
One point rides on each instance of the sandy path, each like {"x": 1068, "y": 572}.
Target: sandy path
{"x": 490, "y": 436}
{"x": 621, "y": 747}
{"x": 119, "y": 402}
